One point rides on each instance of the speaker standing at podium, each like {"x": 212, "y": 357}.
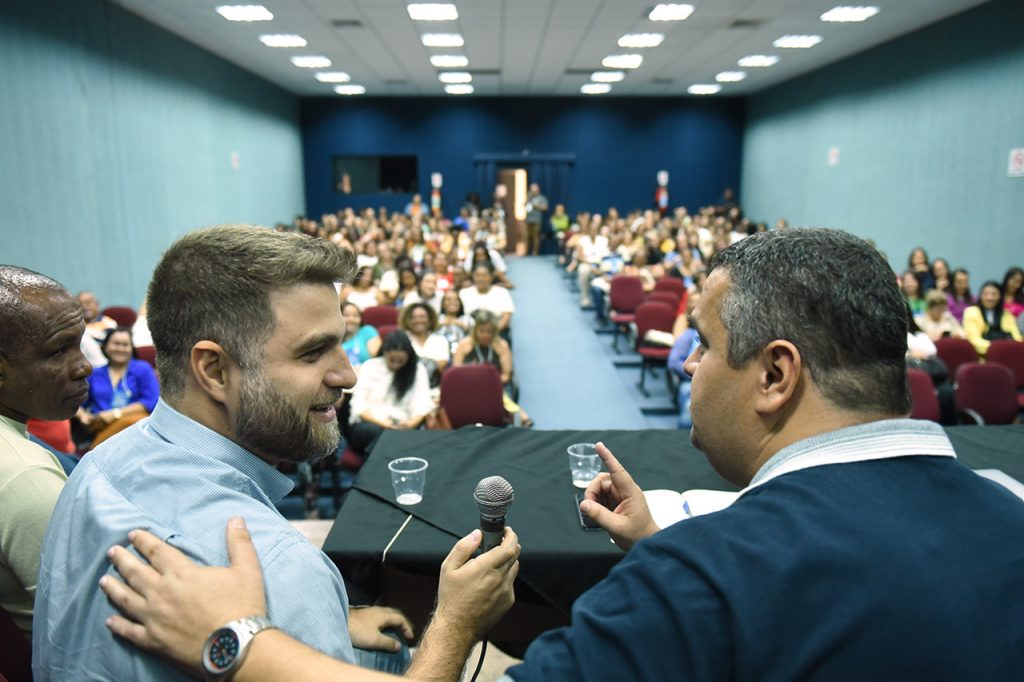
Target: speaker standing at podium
{"x": 859, "y": 549}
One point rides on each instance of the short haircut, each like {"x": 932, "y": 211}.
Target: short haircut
{"x": 835, "y": 298}
{"x": 214, "y": 284}
{"x": 14, "y": 283}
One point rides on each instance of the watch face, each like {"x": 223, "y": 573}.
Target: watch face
{"x": 223, "y": 650}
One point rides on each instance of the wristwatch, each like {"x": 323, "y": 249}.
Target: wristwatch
{"x": 226, "y": 647}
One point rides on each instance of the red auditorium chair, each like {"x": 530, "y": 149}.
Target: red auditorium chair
{"x": 985, "y": 394}
{"x": 672, "y": 284}
{"x": 379, "y": 315}
{"x": 386, "y": 329}
{"x": 472, "y": 394}
{"x": 955, "y": 352}
{"x": 925, "y": 397}
{"x": 16, "y": 651}
{"x": 666, "y": 297}
{"x": 123, "y": 315}
{"x": 626, "y": 295}
{"x": 1010, "y": 353}
{"x": 650, "y": 316}
{"x": 147, "y": 353}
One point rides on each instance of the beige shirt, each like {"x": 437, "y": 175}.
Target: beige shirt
{"x": 30, "y": 482}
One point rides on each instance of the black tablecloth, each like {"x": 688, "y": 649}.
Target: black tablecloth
{"x": 559, "y": 560}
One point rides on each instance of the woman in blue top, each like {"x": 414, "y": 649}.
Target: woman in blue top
{"x": 120, "y": 394}
{"x": 361, "y": 342}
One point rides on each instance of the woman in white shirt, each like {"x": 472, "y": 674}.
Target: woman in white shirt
{"x": 393, "y": 392}
{"x": 419, "y": 321}
{"x": 486, "y": 295}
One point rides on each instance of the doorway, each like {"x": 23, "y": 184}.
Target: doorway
{"x": 510, "y": 194}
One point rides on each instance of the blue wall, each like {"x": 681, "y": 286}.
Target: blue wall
{"x": 924, "y": 125}
{"x": 117, "y": 138}
{"x": 619, "y": 145}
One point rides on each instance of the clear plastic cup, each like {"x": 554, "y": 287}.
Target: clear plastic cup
{"x": 584, "y": 463}
{"x": 408, "y": 476}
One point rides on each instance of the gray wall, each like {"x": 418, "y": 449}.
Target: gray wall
{"x": 117, "y": 138}
{"x": 924, "y": 125}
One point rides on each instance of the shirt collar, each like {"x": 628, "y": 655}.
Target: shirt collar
{"x": 883, "y": 439}
{"x": 15, "y": 425}
{"x": 176, "y": 428}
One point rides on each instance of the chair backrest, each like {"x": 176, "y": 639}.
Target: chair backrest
{"x": 987, "y": 390}
{"x": 925, "y": 397}
{"x": 472, "y": 394}
{"x": 386, "y": 329}
{"x": 148, "y": 354}
{"x": 377, "y": 315}
{"x": 626, "y": 293}
{"x": 123, "y": 315}
{"x": 666, "y": 297}
{"x": 955, "y": 352}
{"x": 653, "y": 315}
{"x": 15, "y": 651}
{"x": 673, "y": 284}
{"x": 1009, "y": 353}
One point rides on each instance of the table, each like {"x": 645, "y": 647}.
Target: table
{"x": 559, "y": 560}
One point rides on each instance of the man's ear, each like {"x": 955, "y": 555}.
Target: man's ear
{"x": 212, "y": 369}
{"x": 779, "y": 378}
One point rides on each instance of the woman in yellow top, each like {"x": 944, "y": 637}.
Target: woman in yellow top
{"x": 986, "y": 321}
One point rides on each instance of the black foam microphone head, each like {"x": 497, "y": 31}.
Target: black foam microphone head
{"x": 493, "y": 497}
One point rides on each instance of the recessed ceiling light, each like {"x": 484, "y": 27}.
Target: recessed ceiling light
{"x": 455, "y": 77}
{"x": 459, "y": 89}
{"x": 595, "y": 88}
{"x": 283, "y": 40}
{"x": 333, "y": 77}
{"x": 245, "y": 13}
{"x": 442, "y": 40}
{"x": 730, "y": 76}
{"x": 758, "y": 61}
{"x": 797, "y": 41}
{"x": 311, "y": 62}
{"x": 607, "y": 76}
{"x": 350, "y": 89}
{"x": 641, "y": 40}
{"x": 449, "y": 61}
{"x": 670, "y": 12}
{"x": 433, "y": 11}
{"x": 703, "y": 89}
{"x": 622, "y": 61}
{"x": 845, "y": 13}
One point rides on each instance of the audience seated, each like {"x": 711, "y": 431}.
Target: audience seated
{"x": 913, "y": 292}
{"x": 1013, "y": 291}
{"x": 393, "y": 392}
{"x": 937, "y": 321}
{"x": 122, "y": 392}
{"x": 453, "y": 323}
{"x": 419, "y": 321}
{"x": 427, "y": 292}
{"x": 485, "y": 346}
{"x": 959, "y": 295}
{"x": 486, "y": 295}
{"x": 361, "y": 341}
{"x": 96, "y": 324}
{"x": 363, "y": 292}
{"x": 988, "y": 321}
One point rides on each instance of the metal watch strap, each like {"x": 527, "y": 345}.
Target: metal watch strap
{"x": 245, "y": 628}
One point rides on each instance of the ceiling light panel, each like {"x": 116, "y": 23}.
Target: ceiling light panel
{"x": 731, "y": 76}
{"x": 670, "y": 12}
{"x": 245, "y": 13}
{"x": 704, "y": 89}
{"x": 350, "y": 90}
{"x": 622, "y": 61}
{"x": 333, "y": 77}
{"x": 797, "y": 42}
{"x": 433, "y": 11}
{"x": 607, "y": 76}
{"x": 756, "y": 61}
{"x": 595, "y": 88}
{"x": 283, "y": 40}
{"x": 311, "y": 62}
{"x": 634, "y": 40}
{"x": 442, "y": 40}
{"x": 459, "y": 89}
{"x": 455, "y": 77}
{"x": 449, "y": 61}
{"x": 846, "y": 13}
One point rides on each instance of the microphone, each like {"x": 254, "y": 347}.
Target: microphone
{"x": 493, "y": 497}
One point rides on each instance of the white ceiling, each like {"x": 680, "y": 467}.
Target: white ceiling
{"x": 535, "y": 47}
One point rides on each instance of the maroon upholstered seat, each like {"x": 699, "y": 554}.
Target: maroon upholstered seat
{"x": 955, "y": 352}
{"x": 986, "y": 393}
{"x": 659, "y": 316}
{"x": 123, "y": 315}
{"x": 667, "y": 297}
{"x": 626, "y": 294}
{"x": 672, "y": 284}
{"x": 925, "y": 397}
{"x": 472, "y": 394}
{"x": 379, "y": 315}
{"x": 147, "y": 353}
{"x": 1010, "y": 353}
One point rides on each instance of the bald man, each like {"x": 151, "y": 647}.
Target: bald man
{"x": 42, "y": 376}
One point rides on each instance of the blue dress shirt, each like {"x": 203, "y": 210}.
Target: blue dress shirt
{"x": 182, "y": 482}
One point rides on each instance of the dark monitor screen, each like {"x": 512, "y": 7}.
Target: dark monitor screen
{"x": 376, "y": 174}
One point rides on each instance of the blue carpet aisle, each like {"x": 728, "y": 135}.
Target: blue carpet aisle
{"x": 566, "y": 375}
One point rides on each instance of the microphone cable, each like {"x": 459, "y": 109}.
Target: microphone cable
{"x": 480, "y": 663}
